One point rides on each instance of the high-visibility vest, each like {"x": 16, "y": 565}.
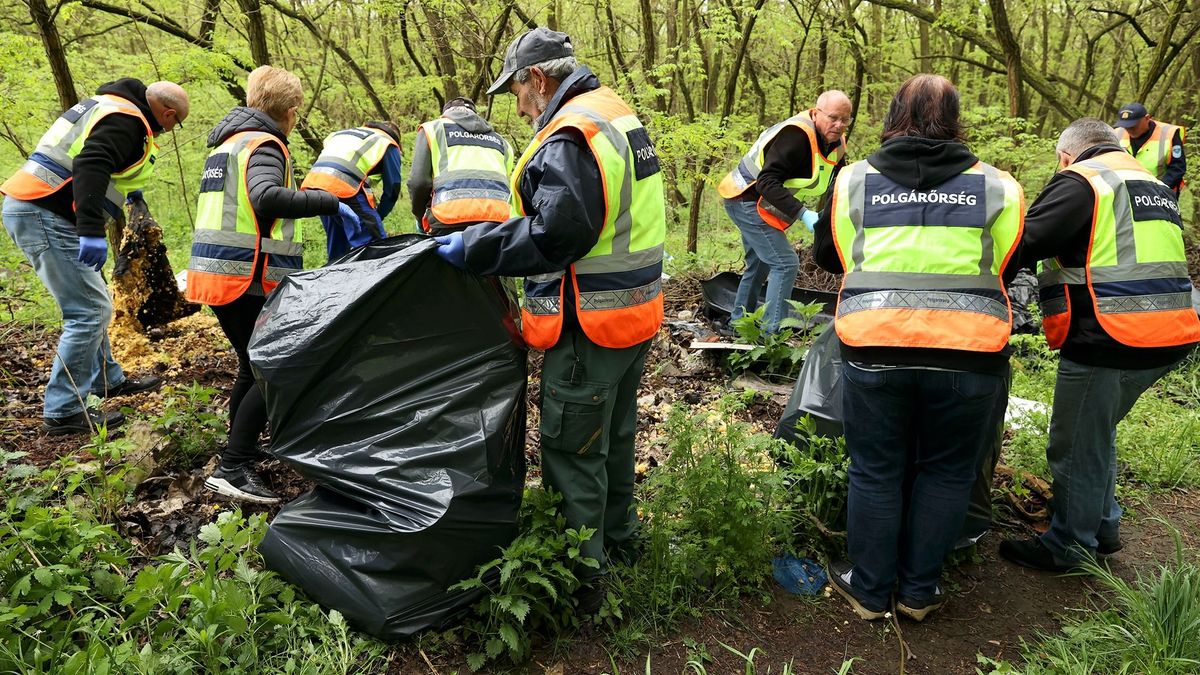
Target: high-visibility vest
{"x": 746, "y": 172}
{"x": 1136, "y": 271}
{"x": 470, "y": 175}
{"x": 229, "y": 239}
{"x": 618, "y": 284}
{"x": 346, "y": 160}
{"x": 924, "y": 268}
{"x": 1155, "y": 153}
{"x": 48, "y": 169}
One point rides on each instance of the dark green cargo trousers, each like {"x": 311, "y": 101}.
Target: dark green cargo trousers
{"x": 589, "y": 420}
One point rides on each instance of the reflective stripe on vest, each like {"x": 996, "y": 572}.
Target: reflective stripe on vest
{"x": 226, "y": 245}
{"x": 746, "y": 172}
{"x": 1155, "y": 153}
{"x": 346, "y": 160}
{"x": 617, "y": 285}
{"x": 1136, "y": 273}
{"x": 470, "y": 175}
{"x": 49, "y": 167}
{"x": 924, "y": 268}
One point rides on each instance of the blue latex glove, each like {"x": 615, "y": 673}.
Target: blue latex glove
{"x": 451, "y": 249}
{"x": 93, "y": 251}
{"x": 356, "y": 234}
{"x": 135, "y": 196}
{"x": 809, "y": 218}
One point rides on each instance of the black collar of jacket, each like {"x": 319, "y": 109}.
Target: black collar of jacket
{"x": 579, "y": 82}
{"x": 1098, "y": 150}
{"x": 921, "y": 163}
{"x": 132, "y": 90}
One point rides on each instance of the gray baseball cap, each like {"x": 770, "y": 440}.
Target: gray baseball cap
{"x": 533, "y": 47}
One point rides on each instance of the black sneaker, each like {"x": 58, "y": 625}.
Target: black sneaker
{"x": 240, "y": 483}
{"x": 84, "y": 422}
{"x": 131, "y": 386}
{"x": 1032, "y": 553}
{"x": 917, "y": 610}
{"x": 840, "y": 573}
{"x": 590, "y": 596}
{"x": 1109, "y": 546}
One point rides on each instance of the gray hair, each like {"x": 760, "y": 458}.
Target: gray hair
{"x": 557, "y": 69}
{"x": 1084, "y": 133}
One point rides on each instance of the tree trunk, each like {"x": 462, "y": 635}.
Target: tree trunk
{"x": 1017, "y": 103}
{"x": 63, "y": 82}
{"x": 256, "y": 31}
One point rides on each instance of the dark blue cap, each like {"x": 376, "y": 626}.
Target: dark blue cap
{"x": 1129, "y": 115}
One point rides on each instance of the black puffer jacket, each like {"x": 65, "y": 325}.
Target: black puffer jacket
{"x": 265, "y": 174}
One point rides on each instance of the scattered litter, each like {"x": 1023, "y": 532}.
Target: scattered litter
{"x": 799, "y": 576}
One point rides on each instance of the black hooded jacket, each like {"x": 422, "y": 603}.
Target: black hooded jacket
{"x": 919, "y": 164}
{"x": 115, "y": 144}
{"x": 265, "y": 173}
{"x": 1059, "y": 224}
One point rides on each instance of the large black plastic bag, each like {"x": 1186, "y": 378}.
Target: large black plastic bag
{"x": 818, "y": 390}
{"x": 397, "y": 383}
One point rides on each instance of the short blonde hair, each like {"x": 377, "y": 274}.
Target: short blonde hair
{"x": 273, "y": 91}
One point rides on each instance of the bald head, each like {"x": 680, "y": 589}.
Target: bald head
{"x": 169, "y": 103}
{"x": 834, "y": 112}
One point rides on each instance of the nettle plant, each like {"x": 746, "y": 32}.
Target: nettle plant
{"x": 192, "y": 426}
{"x": 780, "y": 353}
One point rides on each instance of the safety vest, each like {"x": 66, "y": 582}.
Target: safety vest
{"x": 229, "y": 240}
{"x": 618, "y": 284}
{"x": 1155, "y": 153}
{"x": 924, "y": 268}
{"x": 346, "y": 160}
{"x": 49, "y": 168}
{"x": 746, "y": 172}
{"x": 470, "y": 175}
{"x": 1136, "y": 271}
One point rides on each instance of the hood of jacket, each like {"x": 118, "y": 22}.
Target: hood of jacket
{"x": 134, "y": 91}
{"x": 468, "y": 119}
{"x": 242, "y": 119}
{"x": 921, "y": 163}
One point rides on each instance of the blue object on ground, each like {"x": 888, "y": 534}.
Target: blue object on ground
{"x": 799, "y": 576}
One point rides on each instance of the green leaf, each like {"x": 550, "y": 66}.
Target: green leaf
{"x": 512, "y": 639}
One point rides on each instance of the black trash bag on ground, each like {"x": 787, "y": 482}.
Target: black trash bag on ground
{"x": 397, "y": 383}
{"x": 818, "y": 390}
{"x": 720, "y": 292}
{"x": 1023, "y": 292}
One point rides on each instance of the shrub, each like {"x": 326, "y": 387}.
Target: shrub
{"x": 193, "y": 429}
{"x": 780, "y": 353}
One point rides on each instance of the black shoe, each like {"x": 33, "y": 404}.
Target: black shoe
{"x": 1109, "y": 546}
{"x": 1032, "y": 553}
{"x": 917, "y": 610}
{"x": 84, "y": 422}
{"x": 240, "y": 483}
{"x": 131, "y": 386}
{"x": 839, "y": 576}
{"x": 590, "y": 596}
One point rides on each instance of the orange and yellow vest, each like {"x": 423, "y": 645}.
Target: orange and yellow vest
{"x": 470, "y": 175}
{"x": 746, "y": 172}
{"x": 346, "y": 160}
{"x": 924, "y": 268}
{"x": 229, "y": 240}
{"x": 48, "y": 169}
{"x": 1136, "y": 270}
{"x": 1155, "y": 153}
{"x": 618, "y": 283}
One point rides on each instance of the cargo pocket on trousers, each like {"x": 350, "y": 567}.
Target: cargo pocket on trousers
{"x": 572, "y": 416}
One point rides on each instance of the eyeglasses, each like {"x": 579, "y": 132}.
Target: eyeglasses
{"x": 844, "y": 120}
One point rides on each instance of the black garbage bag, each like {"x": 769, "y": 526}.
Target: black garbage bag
{"x": 720, "y": 292}
{"x": 1023, "y": 292}
{"x": 818, "y": 390}
{"x": 397, "y": 383}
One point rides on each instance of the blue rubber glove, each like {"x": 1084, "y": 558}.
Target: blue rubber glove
{"x": 356, "y": 234}
{"x": 809, "y": 218}
{"x": 93, "y": 251}
{"x": 451, "y": 249}
{"x": 135, "y": 196}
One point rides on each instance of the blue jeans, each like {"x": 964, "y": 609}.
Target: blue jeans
{"x": 84, "y": 361}
{"x": 1089, "y": 401}
{"x": 770, "y": 258}
{"x": 915, "y": 438}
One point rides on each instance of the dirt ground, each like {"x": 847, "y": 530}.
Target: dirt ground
{"x": 993, "y": 606}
